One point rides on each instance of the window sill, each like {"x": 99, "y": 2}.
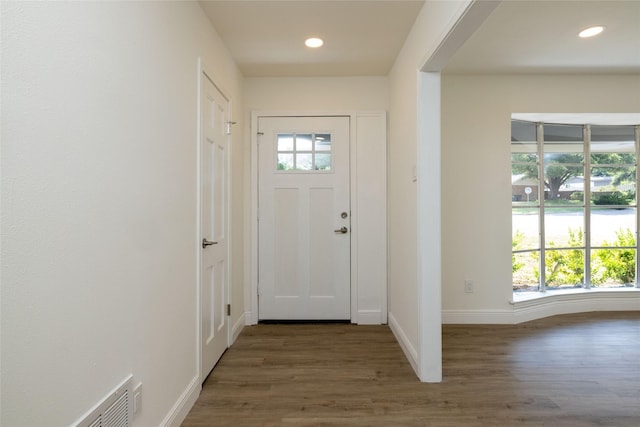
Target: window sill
{"x": 535, "y": 305}
{"x": 519, "y": 297}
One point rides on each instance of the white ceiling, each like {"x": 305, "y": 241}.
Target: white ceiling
{"x": 541, "y": 37}
{"x": 266, "y": 38}
{"x": 363, "y": 37}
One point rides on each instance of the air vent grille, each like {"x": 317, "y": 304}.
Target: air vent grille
{"x": 115, "y": 410}
{"x": 117, "y": 415}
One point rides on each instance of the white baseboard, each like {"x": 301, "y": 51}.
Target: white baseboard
{"x": 184, "y": 404}
{"x": 369, "y": 317}
{"x": 248, "y": 319}
{"x": 181, "y": 409}
{"x": 237, "y": 328}
{"x": 549, "y": 305}
{"x": 408, "y": 349}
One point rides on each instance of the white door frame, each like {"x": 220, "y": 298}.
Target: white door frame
{"x": 469, "y": 18}
{"x": 203, "y": 69}
{"x": 361, "y": 312}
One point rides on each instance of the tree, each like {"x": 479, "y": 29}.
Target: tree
{"x": 558, "y": 168}
{"x": 621, "y": 166}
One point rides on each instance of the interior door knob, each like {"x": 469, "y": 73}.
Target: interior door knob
{"x": 206, "y": 243}
{"x": 342, "y": 230}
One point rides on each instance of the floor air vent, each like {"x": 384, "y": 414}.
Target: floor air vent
{"x": 115, "y": 410}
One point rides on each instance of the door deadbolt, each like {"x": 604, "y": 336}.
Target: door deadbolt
{"x": 344, "y": 215}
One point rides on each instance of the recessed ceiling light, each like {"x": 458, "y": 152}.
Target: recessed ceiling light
{"x": 313, "y": 42}
{"x": 591, "y": 31}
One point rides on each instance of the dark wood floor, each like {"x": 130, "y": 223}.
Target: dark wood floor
{"x": 572, "y": 370}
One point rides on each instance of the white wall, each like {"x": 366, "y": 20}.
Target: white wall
{"x": 432, "y": 24}
{"x": 476, "y": 202}
{"x": 315, "y": 94}
{"x": 99, "y": 244}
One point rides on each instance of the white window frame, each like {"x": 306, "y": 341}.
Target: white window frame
{"x": 586, "y": 206}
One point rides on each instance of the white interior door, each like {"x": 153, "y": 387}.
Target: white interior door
{"x": 214, "y": 224}
{"x": 304, "y": 218}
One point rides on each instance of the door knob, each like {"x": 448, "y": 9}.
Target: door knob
{"x": 206, "y": 243}
{"x": 342, "y": 230}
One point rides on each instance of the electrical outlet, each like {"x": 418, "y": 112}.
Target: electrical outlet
{"x": 468, "y": 286}
{"x": 137, "y": 399}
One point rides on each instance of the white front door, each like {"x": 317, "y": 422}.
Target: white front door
{"x": 214, "y": 224}
{"x": 304, "y": 218}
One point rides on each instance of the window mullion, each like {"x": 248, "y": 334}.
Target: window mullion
{"x": 313, "y": 151}
{"x": 540, "y": 140}
{"x": 295, "y": 151}
{"x": 637, "y": 187}
{"x": 587, "y": 206}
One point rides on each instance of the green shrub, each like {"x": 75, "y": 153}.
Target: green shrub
{"x": 566, "y": 267}
{"x": 631, "y": 196}
{"x": 577, "y": 195}
{"x": 616, "y": 265}
{"x": 516, "y": 243}
{"x": 613, "y": 198}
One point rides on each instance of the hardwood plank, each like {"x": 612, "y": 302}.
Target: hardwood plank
{"x": 573, "y": 370}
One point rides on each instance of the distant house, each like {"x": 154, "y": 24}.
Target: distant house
{"x": 576, "y": 183}
{"x": 520, "y": 183}
{"x": 598, "y": 183}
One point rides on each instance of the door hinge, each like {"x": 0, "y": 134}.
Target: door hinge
{"x": 228, "y": 309}
{"x": 229, "y": 123}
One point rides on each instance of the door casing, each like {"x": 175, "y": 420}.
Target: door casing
{"x": 375, "y": 232}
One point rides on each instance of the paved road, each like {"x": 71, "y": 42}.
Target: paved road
{"x": 604, "y": 224}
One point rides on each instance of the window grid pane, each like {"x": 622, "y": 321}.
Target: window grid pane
{"x": 304, "y": 152}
